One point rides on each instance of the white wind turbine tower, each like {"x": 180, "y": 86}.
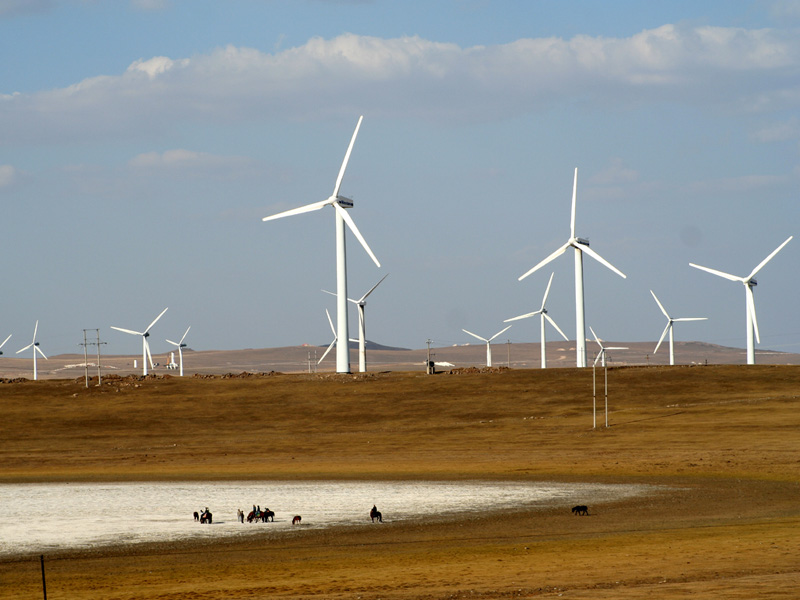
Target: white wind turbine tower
{"x": 35, "y": 345}
{"x": 670, "y": 321}
{"x": 361, "y": 303}
{"x": 750, "y": 306}
{"x": 339, "y": 203}
{"x": 542, "y": 312}
{"x": 580, "y": 246}
{"x": 488, "y": 343}
{"x": 145, "y": 346}
{"x": 180, "y": 345}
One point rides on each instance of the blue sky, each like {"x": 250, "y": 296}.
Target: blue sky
{"x": 141, "y": 143}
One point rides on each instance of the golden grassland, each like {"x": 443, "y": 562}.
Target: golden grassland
{"x": 723, "y": 440}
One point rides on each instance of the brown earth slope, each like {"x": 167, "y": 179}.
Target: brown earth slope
{"x": 723, "y": 439}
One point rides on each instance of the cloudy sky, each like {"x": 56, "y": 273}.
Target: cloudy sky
{"x": 142, "y": 142}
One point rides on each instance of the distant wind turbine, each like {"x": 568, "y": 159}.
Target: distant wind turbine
{"x": 601, "y": 356}
{"x": 580, "y": 246}
{"x": 339, "y": 203}
{"x": 35, "y": 345}
{"x": 750, "y": 305}
{"x": 180, "y": 345}
{"x": 146, "y": 356}
{"x": 670, "y": 322}
{"x": 488, "y": 343}
{"x": 542, "y": 312}
{"x": 361, "y": 303}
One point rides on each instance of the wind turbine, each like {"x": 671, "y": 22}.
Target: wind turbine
{"x": 335, "y": 337}
{"x": 339, "y": 203}
{"x": 4, "y": 342}
{"x": 750, "y": 306}
{"x": 670, "y": 321}
{"x": 601, "y": 354}
{"x": 361, "y": 303}
{"x": 488, "y": 343}
{"x": 145, "y": 346}
{"x": 542, "y": 312}
{"x": 580, "y": 246}
{"x": 35, "y": 345}
{"x": 180, "y": 345}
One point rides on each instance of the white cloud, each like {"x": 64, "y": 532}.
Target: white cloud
{"x": 779, "y": 132}
{"x": 415, "y": 78}
{"x": 14, "y": 8}
{"x": 9, "y": 175}
{"x": 186, "y": 159}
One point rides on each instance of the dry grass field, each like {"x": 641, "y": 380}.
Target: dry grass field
{"x": 723, "y": 440}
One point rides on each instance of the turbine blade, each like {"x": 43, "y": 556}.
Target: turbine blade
{"x": 475, "y": 336}
{"x": 184, "y": 335}
{"x": 324, "y": 354}
{"x": 547, "y": 291}
{"x": 498, "y": 333}
{"x": 751, "y": 306}
{"x": 617, "y": 348}
{"x": 35, "y": 329}
{"x": 599, "y": 356}
{"x": 553, "y": 256}
{"x": 346, "y": 158}
{"x": 596, "y": 339}
{"x": 4, "y": 341}
{"x": 155, "y": 320}
{"x": 352, "y": 225}
{"x": 661, "y": 339}
{"x": 173, "y": 343}
{"x": 691, "y": 319}
{"x": 769, "y": 258}
{"x": 558, "y": 329}
{"x": 372, "y": 289}
{"x": 127, "y": 330}
{"x": 574, "y": 202}
{"x": 39, "y": 350}
{"x": 25, "y": 348}
{"x": 718, "y": 273}
{"x": 601, "y": 260}
{"x": 525, "y": 316}
{"x": 661, "y": 306}
{"x": 298, "y": 211}
{"x": 330, "y": 321}
{"x": 149, "y": 355}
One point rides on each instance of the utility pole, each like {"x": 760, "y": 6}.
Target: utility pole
{"x": 428, "y": 364}
{"x": 98, "y": 343}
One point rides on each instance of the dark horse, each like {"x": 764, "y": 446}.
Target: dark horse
{"x": 375, "y": 514}
{"x": 580, "y": 510}
{"x": 196, "y": 516}
{"x": 263, "y": 516}
{"x": 205, "y": 516}
{"x": 296, "y": 520}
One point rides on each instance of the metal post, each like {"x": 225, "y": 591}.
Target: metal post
{"x": 605, "y": 368}
{"x": 508, "y": 344}
{"x": 44, "y": 583}
{"x": 85, "y": 360}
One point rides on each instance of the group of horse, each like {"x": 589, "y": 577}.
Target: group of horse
{"x": 265, "y": 515}
{"x": 204, "y": 516}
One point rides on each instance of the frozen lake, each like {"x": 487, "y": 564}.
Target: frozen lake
{"x": 41, "y": 518}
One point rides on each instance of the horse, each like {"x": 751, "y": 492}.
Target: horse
{"x": 580, "y": 510}
{"x": 196, "y": 516}
{"x": 267, "y": 515}
{"x": 296, "y": 520}
{"x": 375, "y": 514}
{"x": 205, "y": 517}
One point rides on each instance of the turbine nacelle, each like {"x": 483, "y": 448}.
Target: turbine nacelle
{"x": 343, "y": 202}
{"x": 581, "y": 241}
